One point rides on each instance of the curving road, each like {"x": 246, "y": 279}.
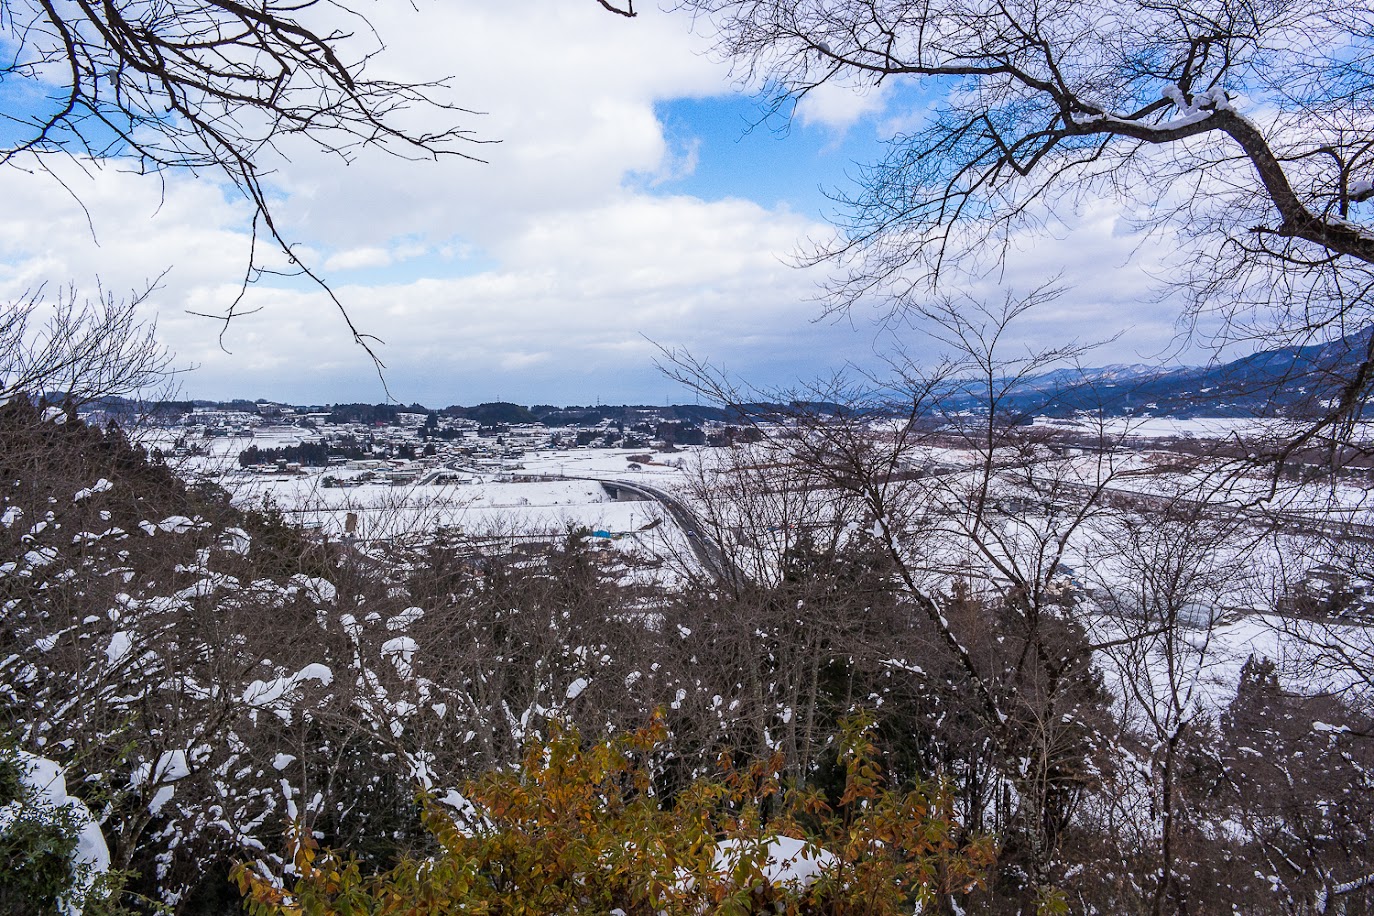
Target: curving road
{"x": 714, "y": 560}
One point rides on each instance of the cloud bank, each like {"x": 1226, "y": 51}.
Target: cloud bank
{"x": 550, "y": 273}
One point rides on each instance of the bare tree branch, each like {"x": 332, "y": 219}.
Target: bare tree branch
{"x": 1244, "y": 130}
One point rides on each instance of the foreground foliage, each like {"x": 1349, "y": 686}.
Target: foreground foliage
{"x": 52, "y": 860}
{"x": 580, "y": 827}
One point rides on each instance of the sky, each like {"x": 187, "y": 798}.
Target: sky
{"x": 633, "y": 200}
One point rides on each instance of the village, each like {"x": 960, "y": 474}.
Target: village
{"x": 428, "y": 447}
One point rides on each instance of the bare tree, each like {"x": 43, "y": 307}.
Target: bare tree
{"x": 1162, "y": 582}
{"x": 752, "y": 500}
{"x": 1242, "y": 129}
{"x": 78, "y": 349}
{"x": 1298, "y": 772}
{"x": 970, "y": 517}
{"x": 1323, "y": 613}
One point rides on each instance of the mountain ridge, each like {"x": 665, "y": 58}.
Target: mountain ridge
{"x": 1293, "y": 381}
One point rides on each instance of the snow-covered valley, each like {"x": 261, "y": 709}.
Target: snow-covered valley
{"x": 216, "y": 652}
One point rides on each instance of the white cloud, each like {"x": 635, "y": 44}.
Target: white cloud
{"x": 1107, "y": 270}
{"x": 356, "y": 258}
{"x": 565, "y": 90}
{"x": 517, "y": 361}
{"x": 125, "y": 232}
{"x": 578, "y": 290}
{"x": 569, "y": 93}
{"x": 839, "y": 107}
{"x": 547, "y": 271}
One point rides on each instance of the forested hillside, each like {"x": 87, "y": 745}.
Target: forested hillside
{"x": 217, "y": 683}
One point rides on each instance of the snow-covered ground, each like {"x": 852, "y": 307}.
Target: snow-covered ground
{"x": 567, "y": 495}
{"x": 540, "y": 496}
{"x": 1143, "y": 427}
{"x": 545, "y": 493}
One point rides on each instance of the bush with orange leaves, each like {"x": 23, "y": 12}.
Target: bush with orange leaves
{"x": 581, "y": 828}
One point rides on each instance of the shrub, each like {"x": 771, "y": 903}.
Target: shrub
{"x": 52, "y": 857}
{"x": 579, "y": 827}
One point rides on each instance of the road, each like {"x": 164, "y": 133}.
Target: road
{"x": 714, "y": 560}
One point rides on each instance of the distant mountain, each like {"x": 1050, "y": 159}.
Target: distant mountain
{"x": 630, "y": 414}
{"x": 1116, "y": 373}
{"x": 1292, "y": 381}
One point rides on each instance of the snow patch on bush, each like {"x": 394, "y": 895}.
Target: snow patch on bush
{"x": 47, "y": 786}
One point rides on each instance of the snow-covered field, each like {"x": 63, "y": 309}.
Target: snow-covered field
{"x": 1140, "y": 427}
{"x": 509, "y": 500}
{"x": 546, "y": 493}
{"x": 385, "y": 511}
{"x": 542, "y": 496}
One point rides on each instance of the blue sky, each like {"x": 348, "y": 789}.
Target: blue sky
{"x": 634, "y": 201}
{"x": 743, "y": 151}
